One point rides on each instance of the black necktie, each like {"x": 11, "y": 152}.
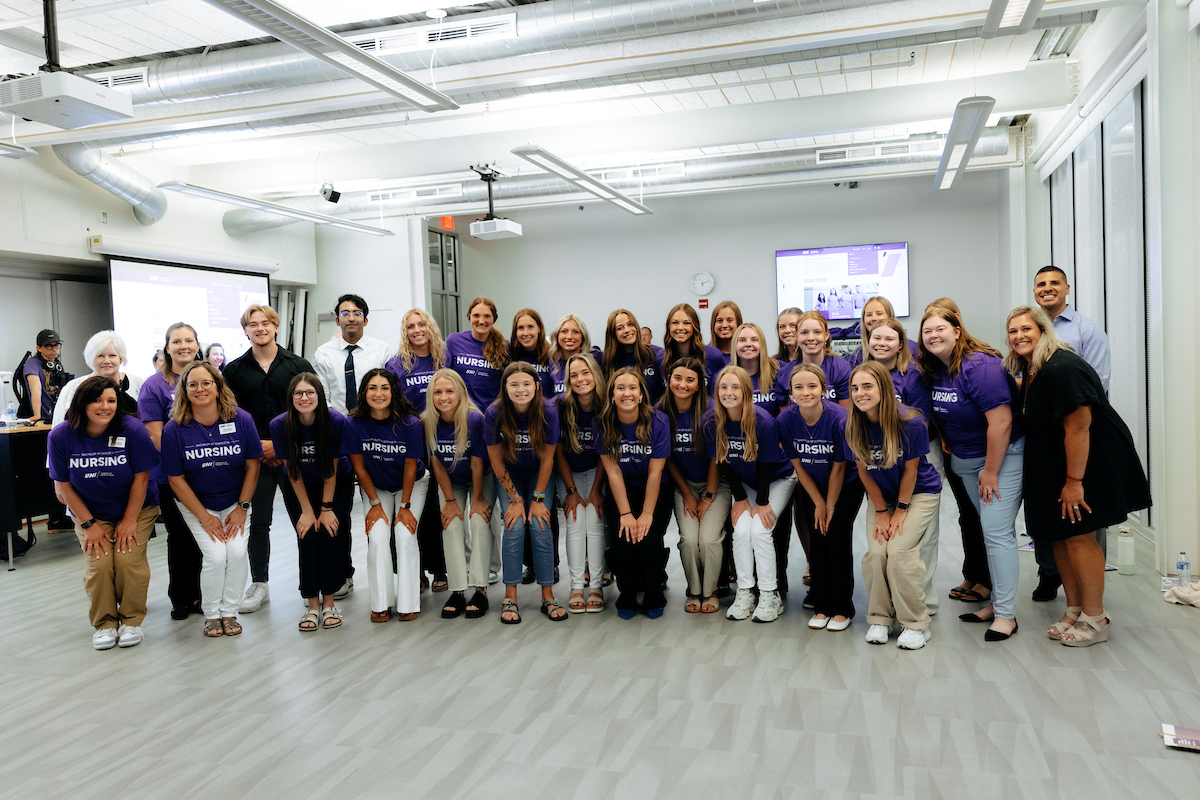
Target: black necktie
{"x": 351, "y": 389}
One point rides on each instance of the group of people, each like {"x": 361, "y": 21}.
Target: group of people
{"x": 734, "y": 443}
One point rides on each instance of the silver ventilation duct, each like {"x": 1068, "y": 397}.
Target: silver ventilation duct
{"x": 924, "y": 148}
{"x": 149, "y": 202}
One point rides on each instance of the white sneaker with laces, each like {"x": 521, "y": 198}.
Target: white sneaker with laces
{"x": 769, "y": 607}
{"x": 743, "y": 605}
{"x": 913, "y": 639}
{"x": 130, "y": 636}
{"x": 104, "y": 639}
{"x": 493, "y": 577}
{"x": 346, "y": 589}
{"x": 877, "y": 634}
{"x": 256, "y": 595}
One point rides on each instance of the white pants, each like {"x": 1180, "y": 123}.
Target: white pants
{"x": 584, "y": 532}
{"x": 385, "y": 588}
{"x": 753, "y": 547}
{"x": 468, "y": 546}
{"x": 225, "y": 568}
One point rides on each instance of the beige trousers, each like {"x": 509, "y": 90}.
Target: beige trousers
{"x": 893, "y": 570}
{"x": 117, "y": 583}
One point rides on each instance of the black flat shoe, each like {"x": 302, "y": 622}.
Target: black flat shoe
{"x": 179, "y": 613}
{"x": 455, "y": 605}
{"x": 1047, "y": 588}
{"x": 973, "y": 617}
{"x": 996, "y": 636}
{"x": 528, "y": 576}
{"x": 480, "y": 602}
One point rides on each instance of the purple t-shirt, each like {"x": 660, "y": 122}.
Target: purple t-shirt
{"x": 558, "y": 371}
{"x": 415, "y": 379}
{"x": 34, "y": 365}
{"x": 445, "y": 445}
{"x": 545, "y": 378}
{"x": 914, "y": 443}
{"x": 769, "y": 400}
{"x": 212, "y": 459}
{"x": 585, "y": 434}
{"x": 464, "y": 355}
{"x": 837, "y": 379}
{"x": 692, "y": 463}
{"x": 766, "y": 434}
{"x": 154, "y": 405}
{"x": 817, "y": 446}
{"x": 310, "y": 473}
{"x": 960, "y": 402}
{"x": 385, "y": 447}
{"x": 714, "y": 361}
{"x": 101, "y": 469}
{"x": 633, "y": 457}
{"x": 652, "y": 372}
{"x": 855, "y": 358}
{"x": 528, "y": 462}
{"x": 912, "y": 390}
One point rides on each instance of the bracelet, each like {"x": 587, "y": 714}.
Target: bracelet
{"x": 570, "y": 491}
{"x": 376, "y": 502}
{"x": 881, "y": 511}
{"x": 627, "y": 514}
{"x": 327, "y": 506}
{"x": 539, "y": 497}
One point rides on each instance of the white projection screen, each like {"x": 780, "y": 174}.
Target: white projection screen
{"x": 149, "y": 298}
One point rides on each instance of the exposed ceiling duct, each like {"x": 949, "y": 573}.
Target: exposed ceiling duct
{"x": 924, "y": 148}
{"x": 148, "y": 201}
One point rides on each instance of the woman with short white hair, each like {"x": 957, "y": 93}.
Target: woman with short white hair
{"x": 107, "y": 355}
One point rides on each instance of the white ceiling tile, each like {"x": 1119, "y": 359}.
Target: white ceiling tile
{"x": 760, "y": 93}
{"x": 736, "y": 95}
{"x": 783, "y": 90}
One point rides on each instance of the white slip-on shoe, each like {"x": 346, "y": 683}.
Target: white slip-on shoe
{"x": 818, "y": 624}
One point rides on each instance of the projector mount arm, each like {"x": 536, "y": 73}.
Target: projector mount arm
{"x": 488, "y": 175}
{"x": 50, "y": 34}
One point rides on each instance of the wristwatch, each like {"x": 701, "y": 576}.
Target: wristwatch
{"x": 406, "y": 505}
{"x": 376, "y": 501}
{"x": 901, "y": 505}
{"x": 88, "y": 524}
{"x": 708, "y": 496}
{"x": 244, "y": 506}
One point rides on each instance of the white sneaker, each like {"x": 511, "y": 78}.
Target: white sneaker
{"x": 104, "y": 639}
{"x": 877, "y": 634}
{"x": 493, "y": 577}
{"x": 913, "y": 639}
{"x": 743, "y": 605}
{"x": 769, "y": 607}
{"x": 256, "y": 595}
{"x": 346, "y": 589}
{"x": 130, "y": 636}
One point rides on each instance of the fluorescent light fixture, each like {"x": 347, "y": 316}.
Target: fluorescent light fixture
{"x": 13, "y": 150}
{"x": 1011, "y": 17}
{"x": 270, "y": 208}
{"x": 970, "y": 116}
{"x": 289, "y": 27}
{"x": 552, "y": 163}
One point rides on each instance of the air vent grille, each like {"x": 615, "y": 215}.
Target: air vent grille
{"x": 446, "y": 33}
{"x": 125, "y": 79}
{"x": 890, "y": 150}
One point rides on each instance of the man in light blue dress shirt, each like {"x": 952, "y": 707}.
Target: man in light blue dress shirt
{"x": 1090, "y": 342}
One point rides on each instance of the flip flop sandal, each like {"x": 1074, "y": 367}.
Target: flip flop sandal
{"x": 309, "y": 621}
{"x": 212, "y": 627}
{"x": 440, "y": 585}
{"x": 510, "y": 607}
{"x": 595, "y": 601}
{"x": 231, "y": 626}
{"x": 480, "y": 602}
{"x": 409, "y": 617}
{"x": 608, "y": 579}
{"x": 456, "y": 605}
{"x": 331, "y": 618}
{"x": 551, "y": 606}
{"x": 576, "y": 604}
{"x": 381, "y": 616}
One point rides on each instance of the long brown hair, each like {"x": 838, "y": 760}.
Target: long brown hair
{"x": 862, "y": 324}
{"x": 715, "y": 341}
{"x": 819, "y": 317}
{"x": 858, "y": 426}
{"x": 541, "y": 351}
{"x": 767, "y": 366}
{"x": 749, "y": 433}
{"x": 166, "y": 368}
{"x": 399, "y": 411}
{"x": 666, "y": 404}
{"x": 495, "y": 349}
{"x": 643, "y": 356}
{"x": 610, "y": 424}
{"x": 695, "y": 346}
{"x": 181, "y": 408}
{"x": 783, "y": 354}
{"x": 325, "y": 450}
{"x": 904, "y": 358}
{"x": 568, "y": 402}
{"x": 507, "y": 419}
{"x": 929, "y": 364}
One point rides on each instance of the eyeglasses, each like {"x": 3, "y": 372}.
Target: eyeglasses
{"x": 53, "y": 346}
{"x": 201, "y": 385}
{"x": 349, "y": 313}
{"x": 304, "y": 395}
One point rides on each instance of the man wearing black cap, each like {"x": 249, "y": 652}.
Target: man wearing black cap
{"x": 44, "y": 375}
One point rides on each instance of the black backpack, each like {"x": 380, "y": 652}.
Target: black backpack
{"x": 21, "y": 390}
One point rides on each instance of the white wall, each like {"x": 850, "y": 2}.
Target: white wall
{"x": 592, "y": 261}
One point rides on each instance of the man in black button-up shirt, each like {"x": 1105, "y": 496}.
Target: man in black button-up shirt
{"x": 259, "y": 379}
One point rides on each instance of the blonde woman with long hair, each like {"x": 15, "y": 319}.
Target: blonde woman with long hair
{"x": 744, "y": 440}
{"x": 420, "y": 353}
{"x": 750, "y": 353}
{"x": 454, "y": 439}
{"x": 813, "y": 343}
{"x": 876, "y": 310}
{"x": 889, "y": 442}
{"x": 569, "y": 338}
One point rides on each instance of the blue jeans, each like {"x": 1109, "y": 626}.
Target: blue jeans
{"x": 998, "y": 521}
{"x": 513, "y": 546}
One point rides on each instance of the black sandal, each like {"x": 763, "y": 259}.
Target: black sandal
{"x": 549, "y": 607}
{"x": 456, "y": 604}
{"x": 480, "y": 602}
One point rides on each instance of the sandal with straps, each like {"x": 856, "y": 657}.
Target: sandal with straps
{"x": 1057, "y": 630}
{"x": 212, "y": 627}
{"x": 331, "y": 618}
{"x": 550, "y": 607}
{"x": 575, "y": 604}
{"x": 595, "y": 601}
{"x": 309, "y": 621}
{"x": 510, "y": 607}
{"x": 231, "y": 626}
{"x": 1087, "y": 632}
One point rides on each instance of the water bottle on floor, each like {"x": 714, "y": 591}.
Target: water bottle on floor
{"x": 1126, "y": 550}
{"x": 1183, "y": 568}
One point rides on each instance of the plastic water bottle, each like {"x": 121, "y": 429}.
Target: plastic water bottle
{"x": 1183, "y": 568}
{"x": 10, "y": 414}
{"x": 1126, "y": 550}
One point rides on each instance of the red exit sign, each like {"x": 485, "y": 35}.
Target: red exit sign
{"x": 704, "y": 302}
{"x": 447, "y": 223}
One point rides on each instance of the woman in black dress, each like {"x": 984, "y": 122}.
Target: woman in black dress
{"x": 1081, "y": 468}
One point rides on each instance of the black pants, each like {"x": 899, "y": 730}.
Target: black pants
{"x": 262, "y": 513}
{"x": 639, "y": 563}
{"x": 429, "y": 534}
{"x": 183, "y": 556}
{"x": 781, "y": 537}
{"x": 322, "y": 555}
{"x": 975, "y": 566}
{"x": 831, "y": 557}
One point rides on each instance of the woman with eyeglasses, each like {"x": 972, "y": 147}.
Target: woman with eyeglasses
{"x": 210, "y": 453}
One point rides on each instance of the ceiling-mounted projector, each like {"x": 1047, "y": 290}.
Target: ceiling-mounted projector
{"x": 495, "y": 228}
{"x": 63, "y": 100}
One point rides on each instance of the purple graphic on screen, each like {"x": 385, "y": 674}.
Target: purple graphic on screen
{"x": 838, "y": 281}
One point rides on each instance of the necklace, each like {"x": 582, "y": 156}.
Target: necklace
{"x": 808, "y": 430}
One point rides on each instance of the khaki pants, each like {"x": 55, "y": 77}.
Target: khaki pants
{"x": 893, "y": 570}
{"x": 117, "y": 583}
{"x": 702, "y": 542}
{"x": 468, "y": 547}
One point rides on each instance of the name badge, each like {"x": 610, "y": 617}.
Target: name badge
{"x": 227, "y": 427}
{"x": 116, "y": 441}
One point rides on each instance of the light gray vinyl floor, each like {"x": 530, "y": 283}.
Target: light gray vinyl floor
{"x": 688, "y": 706}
